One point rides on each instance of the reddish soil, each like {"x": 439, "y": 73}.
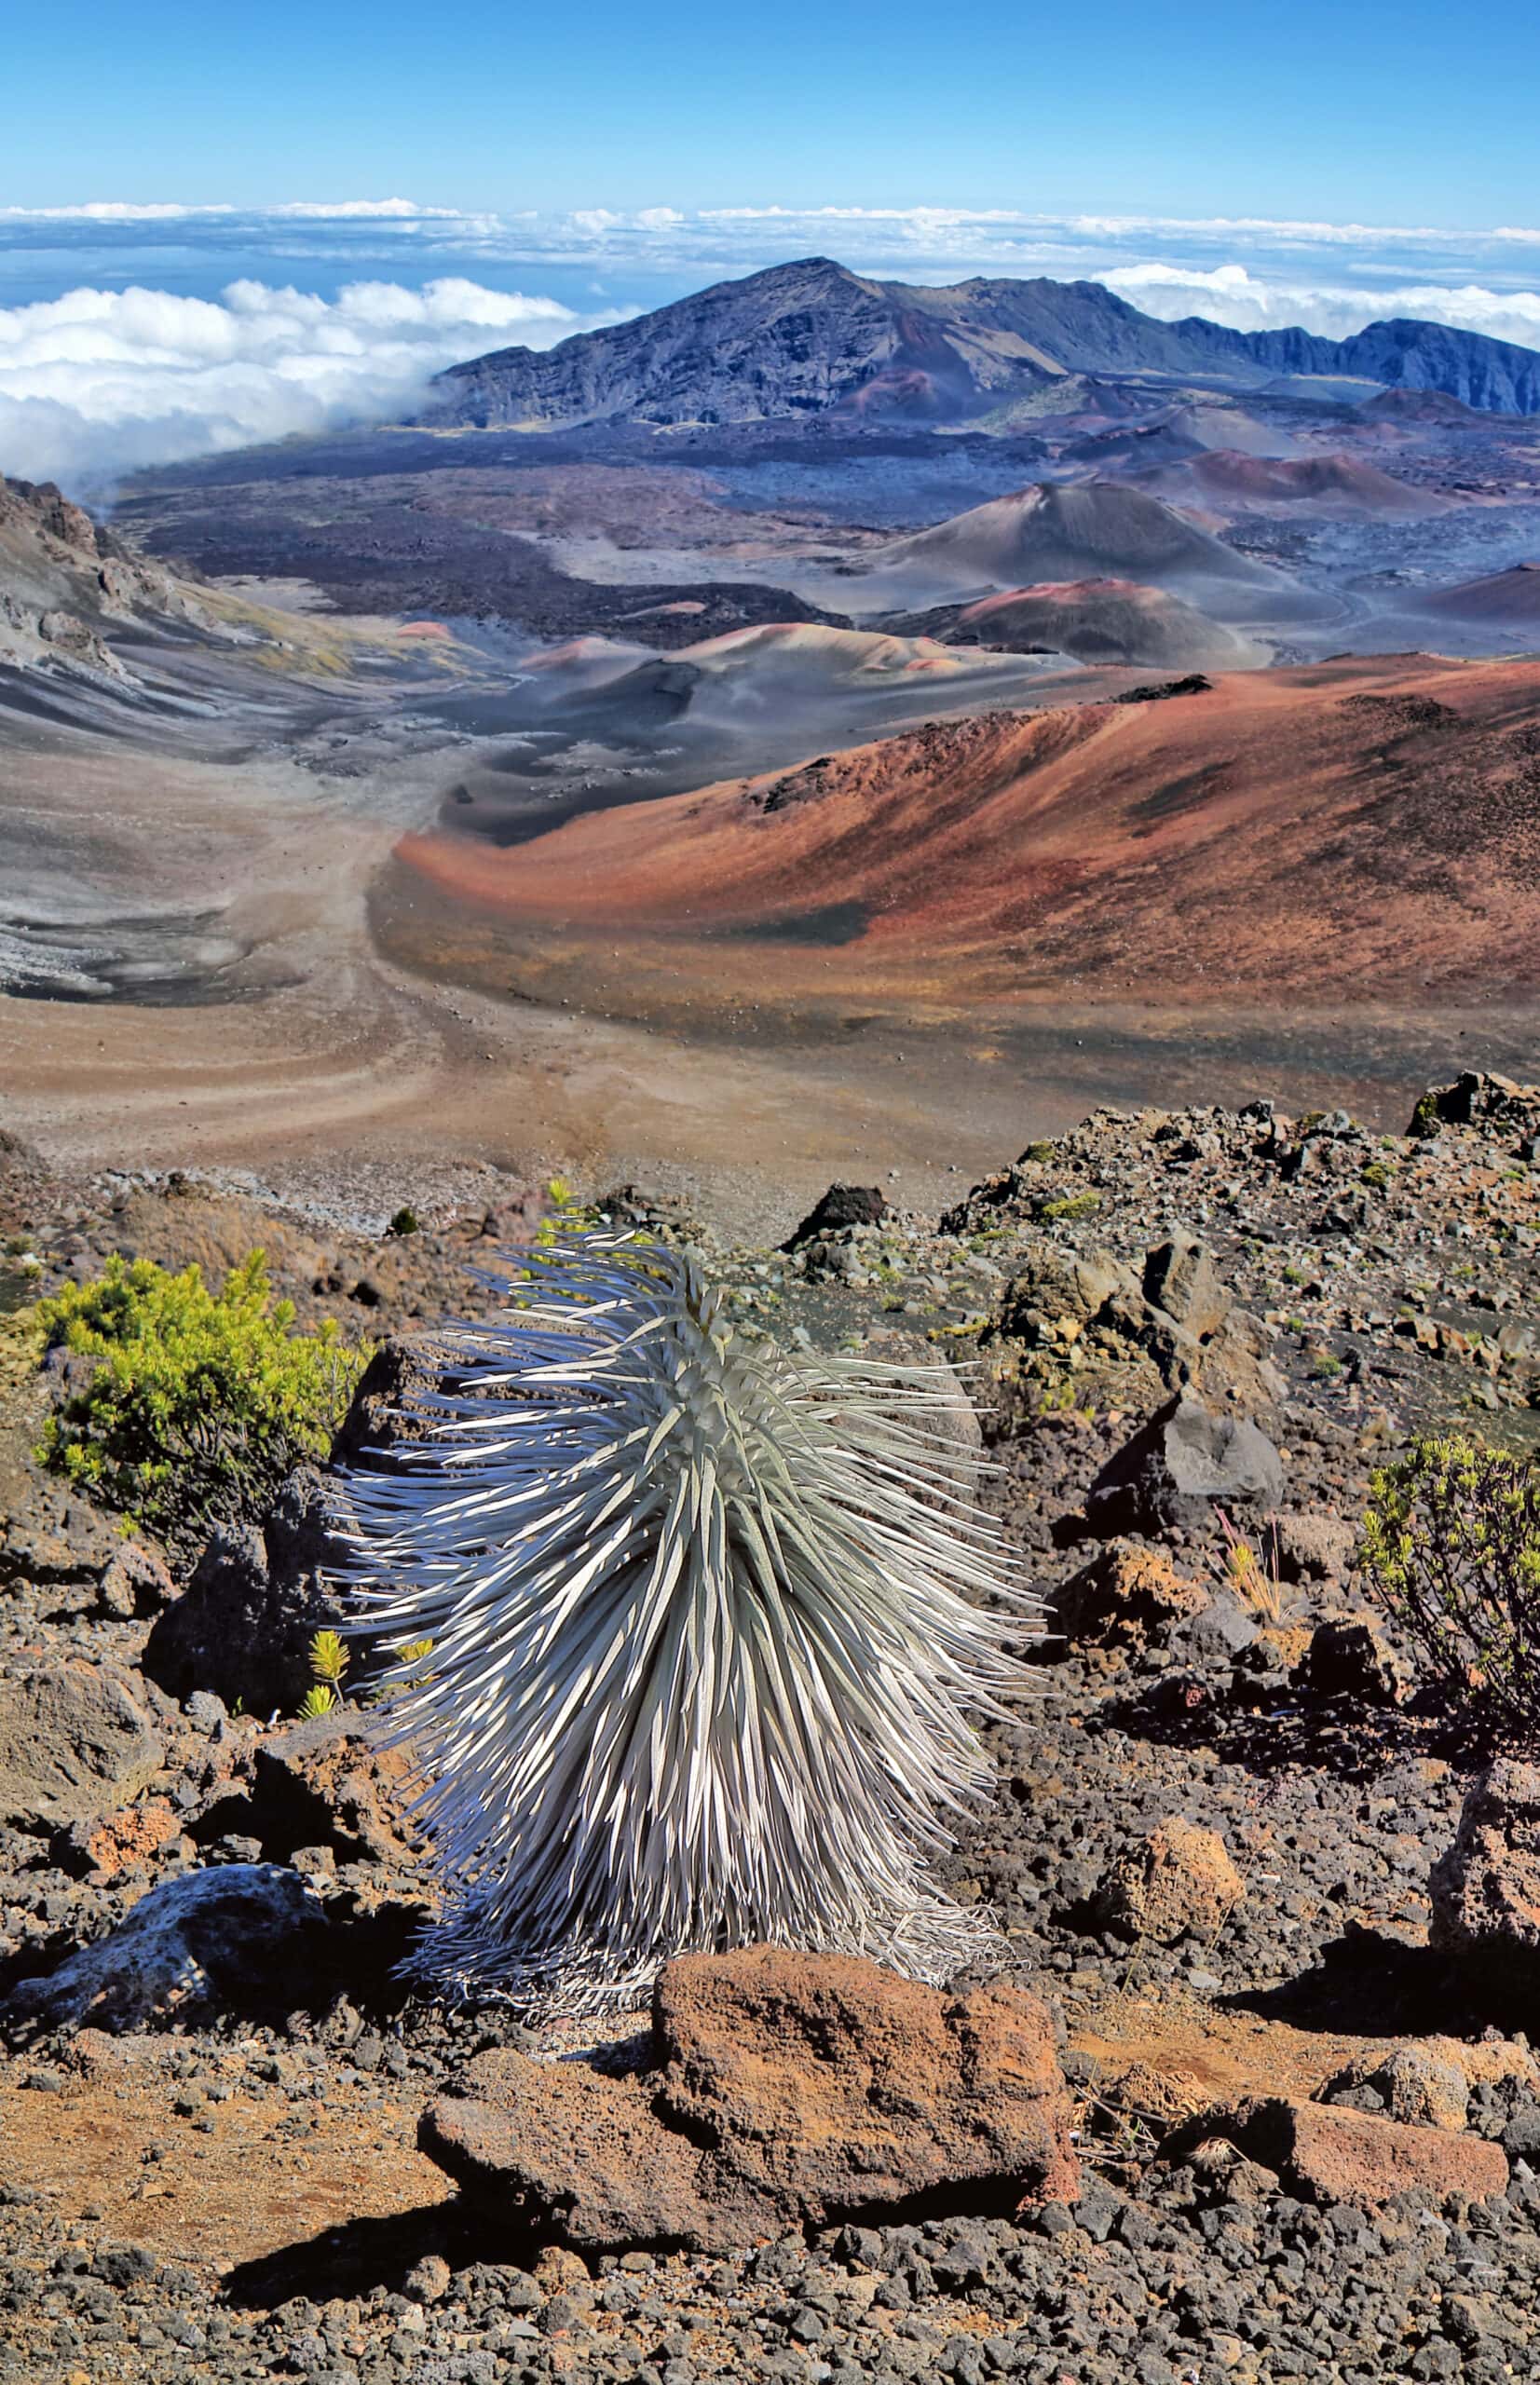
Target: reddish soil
{"x": 1359, "y": 828}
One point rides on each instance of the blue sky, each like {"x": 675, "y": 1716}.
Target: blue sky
{"x": 220, "y": 227}
{"x": 1404, "y": 114}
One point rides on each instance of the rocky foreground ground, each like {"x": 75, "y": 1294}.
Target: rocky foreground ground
{"x": 1255, "y": 2099}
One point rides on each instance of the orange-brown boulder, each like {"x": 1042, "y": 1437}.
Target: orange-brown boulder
{"x": 1125, "y": 1597}
{"x": 1326, "y": 2153}
{"x": 789, "y": 2090}
{"x": 1178, "y": 1878}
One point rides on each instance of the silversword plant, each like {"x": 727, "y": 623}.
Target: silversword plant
{"x": 705, "y": 1638}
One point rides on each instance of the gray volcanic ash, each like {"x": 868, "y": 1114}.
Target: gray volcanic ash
{"x": 1231, "y": 482}
{"x": 1095, "y": 529}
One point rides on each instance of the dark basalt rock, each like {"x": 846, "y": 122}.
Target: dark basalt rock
{"x": 75, "y": 1739}
{"x": 1178, "y": 1466}
{"x": 842, "y": 1206}
{"x": 1485, "y": 1890}
{"x": 243, "y": 1626}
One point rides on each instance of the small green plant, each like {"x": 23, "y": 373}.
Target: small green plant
{"x": 319, "y": 1698}
{"x": 1451, "y": 1543}
{"x": 198, "y": 1403}
{"x": 405, "y": 1220}
{"x": 412, "y": 1654}
{"x": 330, "y": 1657}
{"x": 1069, "y": 1207}
{"x": 1376, "y": 1174}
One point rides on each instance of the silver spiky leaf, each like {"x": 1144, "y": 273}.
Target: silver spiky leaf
{"x": 704, "y": 1637}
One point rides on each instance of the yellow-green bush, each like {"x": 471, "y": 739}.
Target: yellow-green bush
{"x": 198, "y": 1403}
{"x": 1452, "y": 1542}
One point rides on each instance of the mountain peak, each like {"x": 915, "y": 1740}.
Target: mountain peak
{"x": 810, "y": 336}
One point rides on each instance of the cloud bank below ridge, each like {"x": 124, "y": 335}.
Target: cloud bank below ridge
{"x": 99, "y": 382}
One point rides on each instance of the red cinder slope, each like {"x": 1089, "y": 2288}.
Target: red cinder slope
{"x": 1356, "y": 828}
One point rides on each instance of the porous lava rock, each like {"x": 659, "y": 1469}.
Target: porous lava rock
{"x": 1310, "y": 1546}
{"x": 1415, "y": 2084}
{"x": 1127, "y": 1597}
{"x": 243, "y": 1626}
{"x": 1180, "y": 1466}
{"x": 1477, "y": 1098}
{"x": 1485, "y": 1890}
{"x": 1178, "y": 1878}
{"x": 1325, "y": 2153}
{"x": 238, "y": 1937}
{"x": 77, "y": 1739}
{"x": 328, "y": 1782}
{"x": 787, "y": 2091}
{"x": 135, "y": 1582}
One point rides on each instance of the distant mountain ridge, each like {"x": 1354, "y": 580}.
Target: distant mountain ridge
{"x": 811, "y": 337}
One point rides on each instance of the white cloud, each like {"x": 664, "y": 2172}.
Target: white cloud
{"x": 1231, "y": 293}
{"x": 99, "y": 381}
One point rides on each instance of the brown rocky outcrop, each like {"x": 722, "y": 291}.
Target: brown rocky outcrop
{"x": 1126, "y": 1597}
{"x": 327, "y": 1783}
{"x": 789, "y": 2090}
{"x": 77, "y": 1739}
{"x": 1131, "y": 1333}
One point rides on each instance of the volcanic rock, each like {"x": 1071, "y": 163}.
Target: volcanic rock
{"x": 1126, "y": 1597}
{"x": 135, "y": 1582}
{"x": 1350, "y": 1656}
{"x": 324, "y": 1783}
{"x": 842, "y": 1206}
{"x": 810, "y": 336}
{"x": 76, "y": 1740}
{"x": 1485, "y": 1890}
{"x": 1477, "y": 1097}
{"x": 1178, "y": 1466}
{"x": 243, "y": 1625}
{"x": 238, "y": 1937}
{"x": 1415, "y": 2084}
{"x": 1310, "y": 1546}
{"x": 789, "y": 2090}
{"x": 1327, "y": 2154}
{"x": 396, "y": 1401}
{"x": 1177, "y": 1880}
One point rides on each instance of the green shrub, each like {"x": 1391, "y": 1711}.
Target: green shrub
{"x": 198, "y": 1403}
{"x": 1452, "y": 1542}
{"x": 1068, "y": 1206}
